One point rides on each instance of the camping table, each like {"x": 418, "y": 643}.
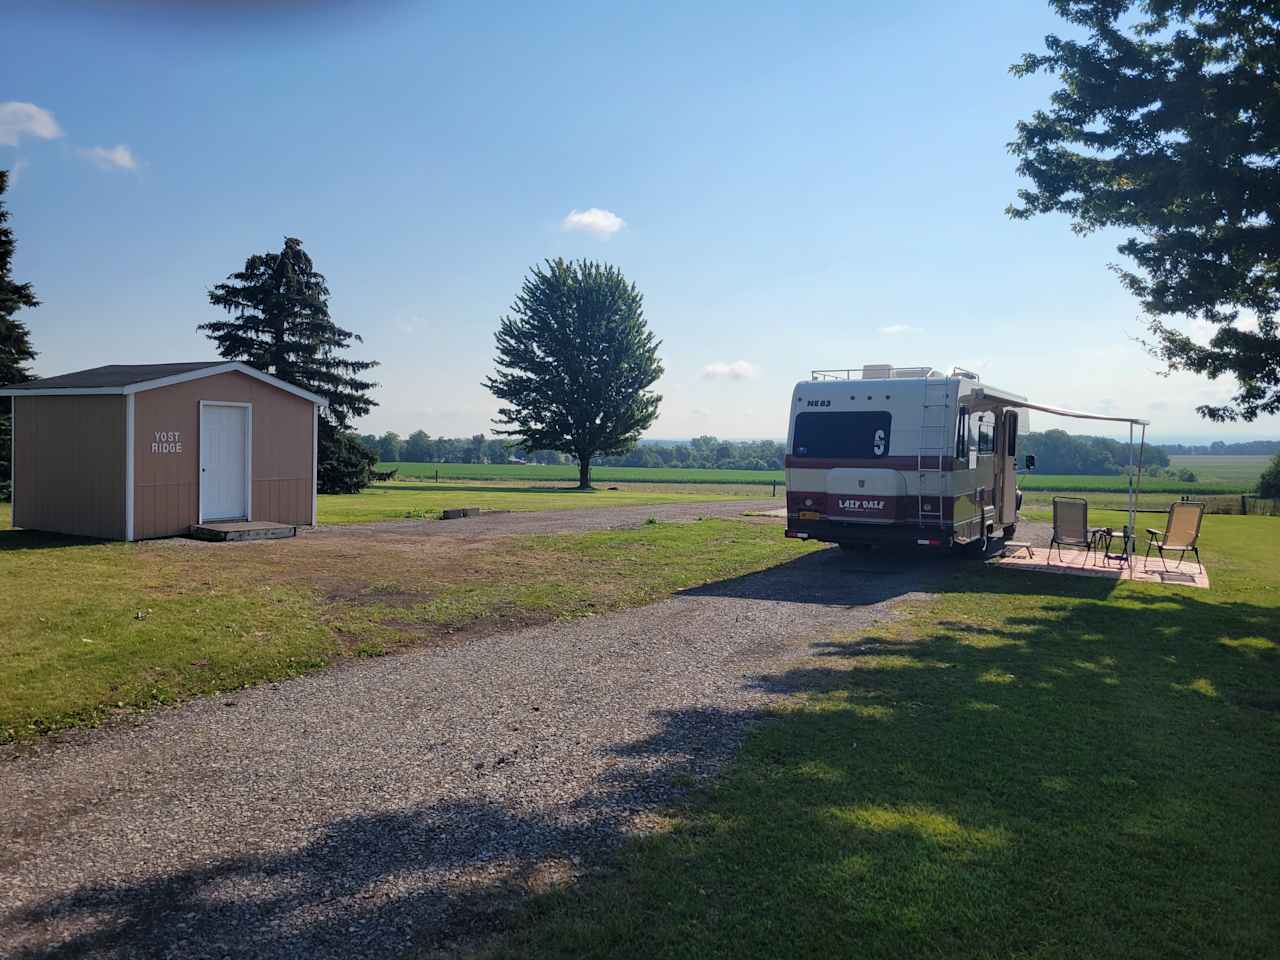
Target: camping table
{"x": 1106, "y": 536}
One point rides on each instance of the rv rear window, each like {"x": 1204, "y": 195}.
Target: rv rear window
{"x": 841, "y": 434}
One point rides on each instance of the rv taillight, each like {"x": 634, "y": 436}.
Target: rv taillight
{"x": 794, "y": 535}
{"x": 808, "y": 501}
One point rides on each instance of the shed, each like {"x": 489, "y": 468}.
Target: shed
{"x": 136, "y": 451}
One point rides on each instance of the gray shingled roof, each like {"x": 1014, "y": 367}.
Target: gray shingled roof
{"x": 114, "y": 375}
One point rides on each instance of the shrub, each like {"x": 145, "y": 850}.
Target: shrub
{"x": 344, "y": 462}
{"x": 1269, "y": 482}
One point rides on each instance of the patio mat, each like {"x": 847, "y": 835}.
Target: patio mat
{"x": 1073, "y": 563}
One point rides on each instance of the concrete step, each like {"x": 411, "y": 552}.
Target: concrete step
{"x": 242, "y": 530}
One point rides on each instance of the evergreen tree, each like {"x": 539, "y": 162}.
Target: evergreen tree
{"x": 278, "y": 321}
{"x": 1167, "y": 125}
{"x": 15, "y": 339}
{"x": 575, "y": 361}
{"x": 343, "y": 461}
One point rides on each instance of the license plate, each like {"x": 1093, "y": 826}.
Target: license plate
{"x": 808, "y": 515}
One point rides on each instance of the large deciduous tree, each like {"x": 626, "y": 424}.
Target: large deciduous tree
{"x": 16, "y": 351}
{"x": 1167, "y": 124}
{"x": 278, "y": 321}
{"x": 575, "y": 363}
{"x": 417, "y": 447}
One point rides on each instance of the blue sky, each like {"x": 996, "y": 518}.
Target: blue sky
{"x": 791, "y": 190}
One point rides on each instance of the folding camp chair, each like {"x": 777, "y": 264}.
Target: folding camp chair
{"x": 1181, "y": 532}
{"x": 1071, "y": 526}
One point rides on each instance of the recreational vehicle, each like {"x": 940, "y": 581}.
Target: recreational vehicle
{"x": 908, "y": 454}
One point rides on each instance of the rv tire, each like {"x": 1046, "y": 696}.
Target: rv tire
{"x": 1010, "y": 531}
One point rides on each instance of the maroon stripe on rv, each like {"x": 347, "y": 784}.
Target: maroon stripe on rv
{"x": 853, "y": 506}
{"x": 881, "y": 463}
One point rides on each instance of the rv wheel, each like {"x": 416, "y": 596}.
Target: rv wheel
{"x": 1010, "y": 531}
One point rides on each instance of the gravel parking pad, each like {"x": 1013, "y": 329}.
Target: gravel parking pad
{"x": 365, "y": 809}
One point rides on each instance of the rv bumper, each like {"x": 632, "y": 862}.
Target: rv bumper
{"x": 899, "y": 534}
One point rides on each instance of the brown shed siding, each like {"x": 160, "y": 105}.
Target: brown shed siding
{"x": 167, "y": 485}
{"x": 69, "y": 465}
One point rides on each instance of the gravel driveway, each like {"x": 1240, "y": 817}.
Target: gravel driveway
{"x": 362, "y": 810}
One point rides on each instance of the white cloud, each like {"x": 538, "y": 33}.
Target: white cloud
{"x": 897, "y": 329}
{"x": 118, "y": 157}
{"x": 603, "y": 223}
{"x": 16, "y": 171}
{"x": 738, "y": 370}
{"x": 19, "y": 119}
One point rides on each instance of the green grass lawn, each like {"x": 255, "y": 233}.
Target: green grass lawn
{"x": 91, "y": 629}
{"x": 396, "y": 501}
{"x": 391, "y": 501}
{"x": 1027, "y": 766}
{"x": 1042, "y": 500}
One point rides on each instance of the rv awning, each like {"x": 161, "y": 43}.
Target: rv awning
{"x": 1007, "y": 400}
{"x": 997, "y": 398}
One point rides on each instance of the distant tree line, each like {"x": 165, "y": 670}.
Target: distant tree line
{"x": 1058, "y": 452}
{"x": 700, "y": 452}
{"x": 1247, "y": 448}
{"x": 710, "y": 453}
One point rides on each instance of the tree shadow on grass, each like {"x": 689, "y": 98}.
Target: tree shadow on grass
{"x": 1081, "y": 780}
{"x": 14, "y": 540}
{"x": 1085, "y": 780}
{"x": 832, "y": 578}
{"x": 380, "y": 885}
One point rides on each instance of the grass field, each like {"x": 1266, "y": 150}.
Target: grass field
{"x": 569, "y": 472}
{"x": 1026, "y": 766}
{"x": 106, "y": 628}
{"x": 391, "y": 501}
{"x": 1215, "y": 475}
{"x": 1118, "y": 483}
{"x": 1240, "y": 470}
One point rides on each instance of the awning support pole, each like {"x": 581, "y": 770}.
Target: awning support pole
{"x": 1137, "y": 487}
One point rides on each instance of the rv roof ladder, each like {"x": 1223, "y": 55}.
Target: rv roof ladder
{"x": 934, "y": 443}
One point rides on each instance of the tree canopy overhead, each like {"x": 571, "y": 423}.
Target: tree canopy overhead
{"x": 279, "y": 322}
{"x": 575, "y": 363}
{"x": 1167, "y": 123}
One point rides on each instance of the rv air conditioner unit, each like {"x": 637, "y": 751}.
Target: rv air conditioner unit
{"x": 914, "y": 373}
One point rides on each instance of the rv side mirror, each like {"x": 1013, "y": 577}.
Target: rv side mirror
{"x": 1031, "y": 461}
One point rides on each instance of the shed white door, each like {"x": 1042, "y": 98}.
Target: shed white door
{"x": 224, "y": 462}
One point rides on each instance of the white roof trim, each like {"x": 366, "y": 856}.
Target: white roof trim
{"x": 231, "y": 366}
